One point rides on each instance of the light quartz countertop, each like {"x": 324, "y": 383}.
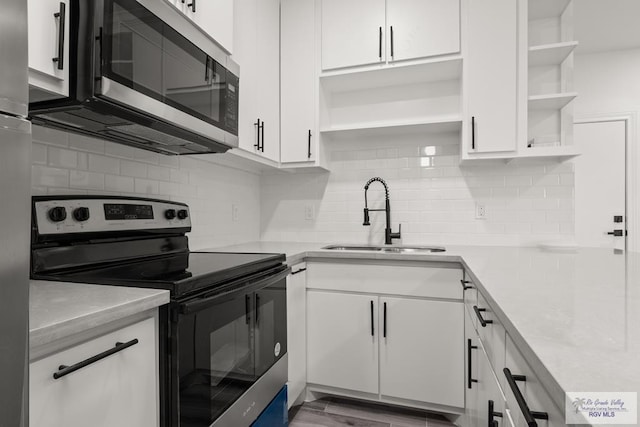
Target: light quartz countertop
{"x": 60, "y": 309}
{"x": 574, "y": 314}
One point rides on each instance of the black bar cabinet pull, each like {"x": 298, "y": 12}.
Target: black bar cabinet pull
{"x": 391, "y": 41}
{"x": 299, "y": 271}
{"x": 192, "y": 5}
{"x": 470, "y": 347}
{"x": 478, "y": 311}
{"x": 61, "y": 24}
{"x": 616, "y": 233}
{"x": 257, "y": 144}
{"x": 262, "y": 136}
{"x": 247, "y": 308}
{"x": 384, "y": 320}
{"x": 380, "y": 43}
{"x": 66, "y": 370}
{"x": 372, "y": 328}
{"x": 492, "y": 413}
{"x": 473, "y": 132}
{"x": 529, "y": 416}
{"x": 309, "y": 145}
{"x": 257, "y": 307}
{"x": 464, "y": 284}
{"x": 206, "y": 69}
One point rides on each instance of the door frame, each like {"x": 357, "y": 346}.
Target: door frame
{"x": 632, "y": 160}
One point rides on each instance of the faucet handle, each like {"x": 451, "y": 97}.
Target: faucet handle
{"x": 366, "y": 217}
{"x": 397, "y": 235}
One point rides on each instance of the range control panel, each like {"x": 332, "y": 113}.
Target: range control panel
{"x": 91, "y": 215}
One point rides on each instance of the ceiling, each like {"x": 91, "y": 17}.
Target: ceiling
{"x": 602, "y": 25}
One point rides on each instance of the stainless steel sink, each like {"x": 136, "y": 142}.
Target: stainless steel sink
{"x": 392, "y": 249}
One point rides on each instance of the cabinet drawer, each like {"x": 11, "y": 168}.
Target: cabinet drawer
{"x": 492, "y": 334}
{"x": 400, "y": 278}
{"x": 470, "y": 293}
{"x": 532, "y": 391}
{"x": 118, "y": 390}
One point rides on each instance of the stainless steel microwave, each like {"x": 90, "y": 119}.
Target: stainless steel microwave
{"x": 142, "y": 75}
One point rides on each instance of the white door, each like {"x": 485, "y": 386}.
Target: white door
{"x": 296, "y": 332}
{"x": 215, "y": 18}
{"x": 298, "y": 76}
{"x": 342, "y": 340}
{"x": 488, "y": 390}
{"x": 422, "y": 350}
{"x": 491, "y": 77}
{"x": 422, "y": 28}
{"x": 353, "y": 33}
{"x": 600, "y": 183}
{"x": 472, "y": 412}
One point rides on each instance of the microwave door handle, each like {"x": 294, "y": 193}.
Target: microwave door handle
{"x": 200, "y": 304}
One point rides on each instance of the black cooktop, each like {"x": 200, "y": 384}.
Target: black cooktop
{"x": 182, "y": 273}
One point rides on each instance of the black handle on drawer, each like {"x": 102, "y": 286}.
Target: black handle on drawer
{"x": 384, "y": 320}
{"x": 66, "y": 370}
{"x": 61, "y": 15}
{"x": 298, "y": 271}
{"x": 464, "y": 284}
{"x": 262, "y": 136}
{"x": 469, "y": 348}
{"x": 372, "y": 327}
{"x": 192, "y": 5}
{"x": 483, "y": 322}
{"x": 473, "y": 132}
{"x": 391, "y": 41}
{"x": 247, "y": 308}
{"x": 529, "y": 415}
{"x": 257, "y": 144}
{"x": 309, "y": 145}
{"x": 491, "y": 414}
{"x": 380, "y": 43}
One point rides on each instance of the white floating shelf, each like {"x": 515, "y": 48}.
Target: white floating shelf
{"x": 540, "y": 9}
{"x": 550, "y": 54}
{"x": 431, "y": 126}
{"x": 433, "y": 71}
{"x": 554, "y": 101}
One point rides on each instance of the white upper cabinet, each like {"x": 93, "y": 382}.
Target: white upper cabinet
{"x": 298, "y": 139}
{"x": 490, "y": 78}
{"x": 213, "y": 17}
{"x": 364, "y": 32}
{"x": 48, "y": 49}
{"x": 256, "y": 50}
{"x": 353, "y": 33}
{"x": 422, "y": 28}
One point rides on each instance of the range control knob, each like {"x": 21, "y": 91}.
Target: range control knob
{"x": 81, "y": 214}
{"x": 183, "y": 214}
{"x": 57, "y": 214}
{"x": 170, "y": 214}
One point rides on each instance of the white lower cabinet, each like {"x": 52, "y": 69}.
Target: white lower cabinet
{"x": 296, "y": 333}
{"x": 120, "y": 389}
{"x": 421, "y": 350}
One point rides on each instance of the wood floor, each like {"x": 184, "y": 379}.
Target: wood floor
{"x": 334, "y": 412}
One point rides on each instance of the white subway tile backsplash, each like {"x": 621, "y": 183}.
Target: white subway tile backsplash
{"x": 50, "y": 136}
{"x": 62, "y": 158}
{"x": 133, "y": 169}
{"x": 86, "y": 143}
{"x": 104, "y": 164}
{"x": 86, "y": 180}
{"x": 146, "y": 186}
{"x": 38, "y": 154}
{"x": 159, "y": 173}
{"x": 120, "y": 184}
{"x": 49, "y": 177}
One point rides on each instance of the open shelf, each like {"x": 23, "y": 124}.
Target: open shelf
{"x": 540, "y": 9}
{"x": 550, "y": 54}
{"x": 554, "y": 101}
{"x": 430, "y": 126}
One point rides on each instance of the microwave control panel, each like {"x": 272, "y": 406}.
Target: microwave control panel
{"x": 92, "y": 215}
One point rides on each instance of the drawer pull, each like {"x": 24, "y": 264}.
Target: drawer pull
{"x": 65, "y": 370}
{"x": 469, "y": 348}
{"x": 478, "y": 311}
{"x": 372, "y": 328}
{"x": 529, "y": 415}
{"x": 464, "y": 284}
{"x": 492, "y": 413}
{"x": 61, "y": 15}
{"x": 293, "y": 273}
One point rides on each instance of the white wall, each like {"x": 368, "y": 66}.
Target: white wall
{"x": 431, "y": 195}
{"x": 608, "y": 83}
{"x": 65, "y": 163}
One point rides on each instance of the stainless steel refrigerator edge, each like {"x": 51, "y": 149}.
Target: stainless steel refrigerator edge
{"x": 15, "y": 210}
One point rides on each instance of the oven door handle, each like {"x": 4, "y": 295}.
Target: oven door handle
{"x": 200, "y": 304}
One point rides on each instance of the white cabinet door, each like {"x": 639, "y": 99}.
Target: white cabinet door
{"x": 296, "y": 332}
{"x": 353, "y": 33}
{"x": 421, "y": 28}
{"x": 488, "y": 391}
{"x": 45, "y": 36}
{"x": 491, "y": 77}
{"x": 215, "y": 18}
{"x": 342, "y": 341}
{"x": 298, "y": 141}
{"x": 422, "y": 350}
{"x": 119, "y": 390}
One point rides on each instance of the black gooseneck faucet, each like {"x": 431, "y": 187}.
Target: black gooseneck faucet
{"x": 388, "y": 234}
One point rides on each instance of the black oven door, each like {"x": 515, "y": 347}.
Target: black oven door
{"x": 222, "y": 343}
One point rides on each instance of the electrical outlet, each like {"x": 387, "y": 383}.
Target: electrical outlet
{"x": 481, "y": 211}
{"x": 309, "y": 213}
{"x": 235, "y": 215}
